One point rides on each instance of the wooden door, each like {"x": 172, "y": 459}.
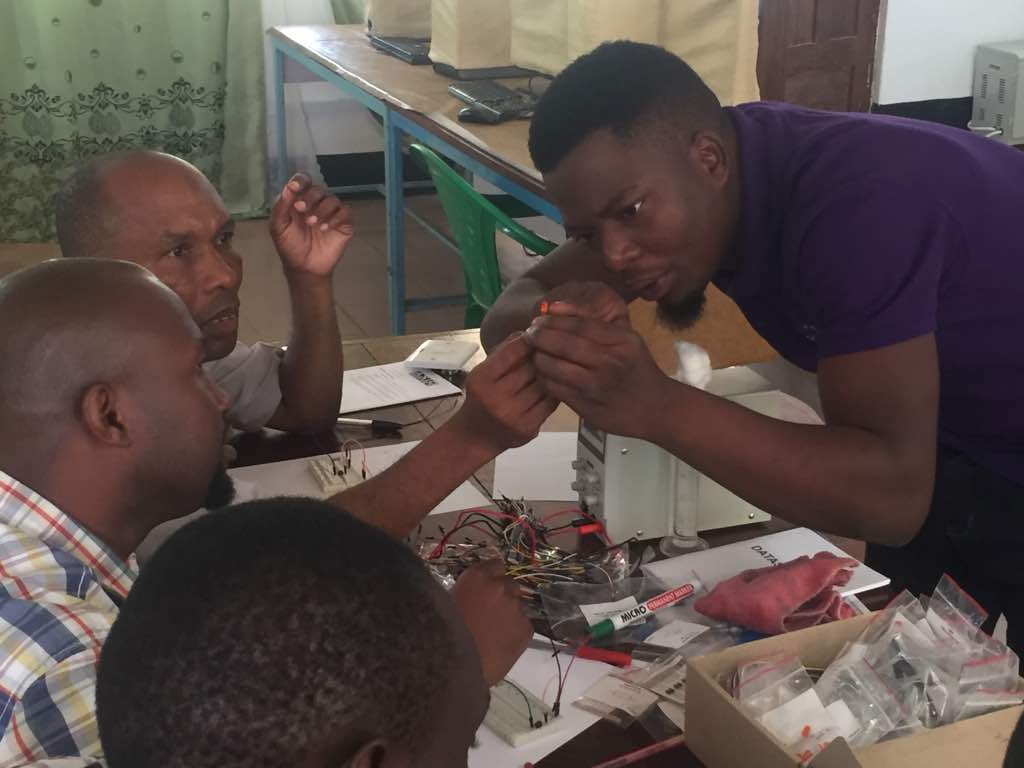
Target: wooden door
{"x": 818, "y": 53}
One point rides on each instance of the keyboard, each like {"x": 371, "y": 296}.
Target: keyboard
{"x": 508, "y": 103}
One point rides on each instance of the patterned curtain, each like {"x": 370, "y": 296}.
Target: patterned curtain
{"x": 80, "y": 78}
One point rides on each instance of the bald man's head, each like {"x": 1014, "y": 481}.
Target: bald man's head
{"x": 63, "y": 326}
{"x": 160, "y": 212}
{"x": 91, "y": 205}
{"x": 102, "y": 374}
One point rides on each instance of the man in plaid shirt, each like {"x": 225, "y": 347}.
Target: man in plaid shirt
{"x": 108, "y": 427}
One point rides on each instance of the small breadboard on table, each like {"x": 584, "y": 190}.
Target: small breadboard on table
{"x": 335, "y": 472}
{"x": 517, "y": 716}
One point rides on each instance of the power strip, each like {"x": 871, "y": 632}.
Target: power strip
{"x": 334, "y": 473}
{"x": 517, "y": 716}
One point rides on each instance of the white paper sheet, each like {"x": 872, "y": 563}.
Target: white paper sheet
{"x": 676, "y": 634}
{"x": 720, "y": 563}
{"x": 534, "y": 671}
{"x": 394, "y": 384}
{"x": 293, "y": 478}
{"x": 616, "y": 693}
{"x": 541, "y": 470}
{"x": 595, "y": 612}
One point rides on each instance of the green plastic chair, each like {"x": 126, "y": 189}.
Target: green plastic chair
{"x": 474, "y": 218}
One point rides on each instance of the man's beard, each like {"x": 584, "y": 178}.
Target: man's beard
{"x": 680, "y": 315}
{"x": 221, "y": 491}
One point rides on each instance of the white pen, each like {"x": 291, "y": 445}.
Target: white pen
{"x": 376, "y": 426}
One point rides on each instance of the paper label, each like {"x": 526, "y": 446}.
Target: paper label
{"x": 843, "y": 718}
{"x": 675, "y": 634}
{"x": 596, "y": 612}
{"x": 618, "y": 694}
{"x": 797, "y": 718}
{"x": 914, "y": 631}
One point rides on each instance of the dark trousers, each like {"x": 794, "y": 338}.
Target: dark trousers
{"x": 975, "y": 533}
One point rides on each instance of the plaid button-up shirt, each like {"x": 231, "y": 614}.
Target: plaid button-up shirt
{"x": 60, "y": 588}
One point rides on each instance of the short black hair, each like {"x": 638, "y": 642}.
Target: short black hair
{"x": 266, "y": 633}
{"x": 617, "y": 86}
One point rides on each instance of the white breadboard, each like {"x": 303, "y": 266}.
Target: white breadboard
{"x": 517, "y": 716}
{"x": 335, "y": 472}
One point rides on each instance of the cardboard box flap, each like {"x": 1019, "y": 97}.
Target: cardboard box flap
{"x": 836, "y": 755}
{"x": 819, "y": 646}
{"x": 707, "y": 735}
{"x": 979, "y": 742}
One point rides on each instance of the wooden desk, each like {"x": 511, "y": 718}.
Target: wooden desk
{"x": 601, "y": 741}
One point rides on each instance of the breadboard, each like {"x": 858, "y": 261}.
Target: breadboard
{"x": 517, "y": 716}
{"x": 335, "y": 473}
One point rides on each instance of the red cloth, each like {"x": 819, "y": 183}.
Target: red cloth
{"x": 783, "y": 598}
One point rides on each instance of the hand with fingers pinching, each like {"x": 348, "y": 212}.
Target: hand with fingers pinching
{"x": 601, "y": 370}
{"x": 590, "y": 299}
{"x": 505, "y": 405}
{"x": 310, "y": 227}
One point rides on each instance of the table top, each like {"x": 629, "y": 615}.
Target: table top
{"x": 601, "y": 741}
{"x": 419, "y": 93}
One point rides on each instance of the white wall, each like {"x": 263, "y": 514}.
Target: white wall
{"x": 927, "y": 46}
{"x": 320, "y": 120}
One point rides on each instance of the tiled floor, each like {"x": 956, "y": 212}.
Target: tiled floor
{"x": 360, "y": 280}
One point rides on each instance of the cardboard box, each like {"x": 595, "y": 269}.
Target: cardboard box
{"x": 720, "y": 733}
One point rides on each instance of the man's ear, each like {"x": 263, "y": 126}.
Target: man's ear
{"x": 376, "y": 754}
{"x": 102, "y": 411}
{"x": 709, "y": 152}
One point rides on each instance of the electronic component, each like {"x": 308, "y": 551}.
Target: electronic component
{"x": 335, "y": 472}
{"x": 999, "y": 92}
{"x": 517, "y": 716}
{"x": 630, "y": 485}
{"x": 521, "y": 539}
{"x": 442, "y": 355}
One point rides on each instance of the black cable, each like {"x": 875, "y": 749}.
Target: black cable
{"x": 609, "y": 548}
{"x": 529, "y": 709}
{"x": 557, "y": 706}
{"x": 470, "y": 521}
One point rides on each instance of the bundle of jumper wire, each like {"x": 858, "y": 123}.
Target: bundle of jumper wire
{"x": 523, "y": 541}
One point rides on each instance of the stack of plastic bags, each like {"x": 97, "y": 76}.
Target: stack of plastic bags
{"x": 919, "y": 664}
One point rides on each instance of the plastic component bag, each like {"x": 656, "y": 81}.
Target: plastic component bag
{"x": 874, "y": 706}
{"x": 916, "y": 665}
{"x": 954, "y": 614}
{"x": 766, "y": 684}
{"x": 565, "y": 603}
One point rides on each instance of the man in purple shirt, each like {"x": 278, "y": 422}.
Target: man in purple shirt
{"x": 884, "y": 254}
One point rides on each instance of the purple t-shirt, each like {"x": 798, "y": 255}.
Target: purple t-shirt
{"x": 861, "y": 231}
